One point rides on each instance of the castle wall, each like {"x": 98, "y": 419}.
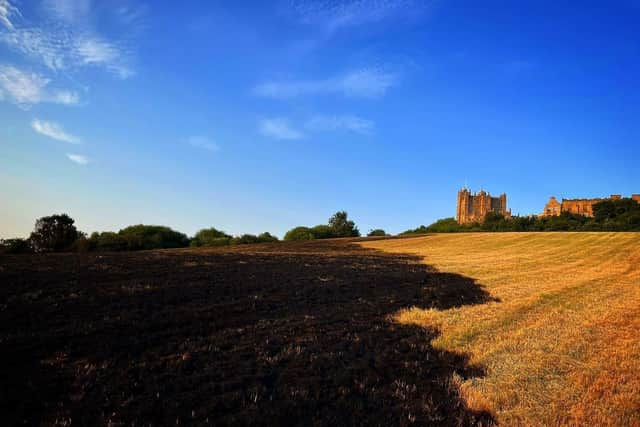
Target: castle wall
{"x": 578, "y": 206}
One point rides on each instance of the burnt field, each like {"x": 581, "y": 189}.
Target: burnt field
{"x": 282, "y": 334}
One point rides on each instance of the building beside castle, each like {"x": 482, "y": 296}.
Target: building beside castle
{"x": 578, "y": 206}
{"x": 474, "y": 207}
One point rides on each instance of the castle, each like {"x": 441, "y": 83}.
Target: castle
{"x": 578, "y": 206}
{"x": 474, "y": 207}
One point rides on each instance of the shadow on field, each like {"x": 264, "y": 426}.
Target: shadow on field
{"x": 284, "y": 334}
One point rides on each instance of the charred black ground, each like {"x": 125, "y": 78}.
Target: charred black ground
{"x": 283, "y": 334}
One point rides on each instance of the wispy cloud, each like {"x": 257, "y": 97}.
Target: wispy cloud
{"x": 68, "y": 10}
{"x": 204, "y": 143}
{"x": 336, "y": 123}
{"x": 26, "y": 89}
{"x": 6, "y": 11}
{"x": 333, "y": 15}
{"x": 65, "y": 40}
{"x": 53, "y": 130}
{"x": 282, "y": 128}
{"x": 78, "y": 158}
{"x": 278, "y": 128}
{"x": 364, "y": 83}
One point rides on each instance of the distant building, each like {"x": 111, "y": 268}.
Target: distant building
{"x": 578, "y": 206}
{"x": 475, "y": 207}
{"x": 553, "y": 208}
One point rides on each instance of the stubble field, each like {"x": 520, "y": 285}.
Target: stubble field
{"x": 561, "y": 343}
{"x": 518, "y": 329}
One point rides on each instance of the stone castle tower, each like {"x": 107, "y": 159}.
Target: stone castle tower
{"x": 474, "y": 207}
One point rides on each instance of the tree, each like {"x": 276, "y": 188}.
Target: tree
{"x": 210, "y": 237}
{"x": 53, "y": 233}
{"x": 376, "y": 232}
{"x": 15, "y": 246}
{"x": 267, "y": 237}
{"x": 299, "y": 233}
{"x": 245, "y": 239}
{"x": 323, "y": 232}
{"x": 107, "y": 241}
{"x": 144, "y": 237}
{"x": 342, "y": 226}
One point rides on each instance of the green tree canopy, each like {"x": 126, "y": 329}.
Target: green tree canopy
{"x": 323, "y": 232}
{"x": 54, "y": 233}
{"x": 210, "y": 237}
{"x": 342, "y": 226}
{"x": 299, "y": 233}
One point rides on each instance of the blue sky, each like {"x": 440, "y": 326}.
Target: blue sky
{"x": 261, "y": 116}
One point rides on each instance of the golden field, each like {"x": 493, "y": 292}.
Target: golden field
{"x": 560, "y": 344}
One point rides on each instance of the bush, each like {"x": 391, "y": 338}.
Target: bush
{"x": 136, "y": 237}
{"x": 107, "y": 241}
{"x": 55, "y": 233}
{"x": 445, "y": 225}
{"x": 323, "y": 232}
{"x": 299, "y": 233}
{"x": 210, "y": 237}
{"x": 267, "y": 237}
{"x": 377, "y": 232}
{"x": 245, "y": 239}
{"x": 82, "y": 244}
{"x": 15, "y": 246}
{"x": 144, "y": 237}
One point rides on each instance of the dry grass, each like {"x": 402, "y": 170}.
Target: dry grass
{"x": 562, "y": 344}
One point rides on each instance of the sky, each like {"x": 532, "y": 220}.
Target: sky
{"x": 257, "y": 116}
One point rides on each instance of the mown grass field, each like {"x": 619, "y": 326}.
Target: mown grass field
{"x": 561, "y": 341}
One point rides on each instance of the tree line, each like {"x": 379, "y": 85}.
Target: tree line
{"x": 58, "y": 233}
{"x": 608, "y": 215}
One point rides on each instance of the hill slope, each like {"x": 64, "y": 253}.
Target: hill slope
{"x": 561, "y": 345}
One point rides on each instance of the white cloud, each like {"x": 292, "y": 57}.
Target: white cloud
{"x": 278, "y": 128}
{"x": 204, "y": 143}
{"x": 65, "y": 97}
{"x": 78, "y": 158}
{"x": 6, "y": 10}
{"x": 335, "y": 123}
{"x": 363, "y": 83}
{"x": 67, "y": 41}
{"x": 100, "y": 52}
{"x": 70, "y": 11}
{"x": 53, "y": 130}
{"x": 26, "y": 89}
{"x": 332, "y": 15}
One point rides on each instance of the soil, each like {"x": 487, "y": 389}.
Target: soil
{"x": 272, "y": 334}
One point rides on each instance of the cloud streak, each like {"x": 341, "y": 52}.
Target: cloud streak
{"x": 6, "y": 11}
{"x": 66, "y": 41}
{"x": 25, "y": 89}
{"x": 54, "y": 131}
{"x": 338, "y": 123}
{"x": 278, "y": 128}
{"x": 203, "y": 143}
{"x": 362, "y": 83}
{"x": 78, "y": 159}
